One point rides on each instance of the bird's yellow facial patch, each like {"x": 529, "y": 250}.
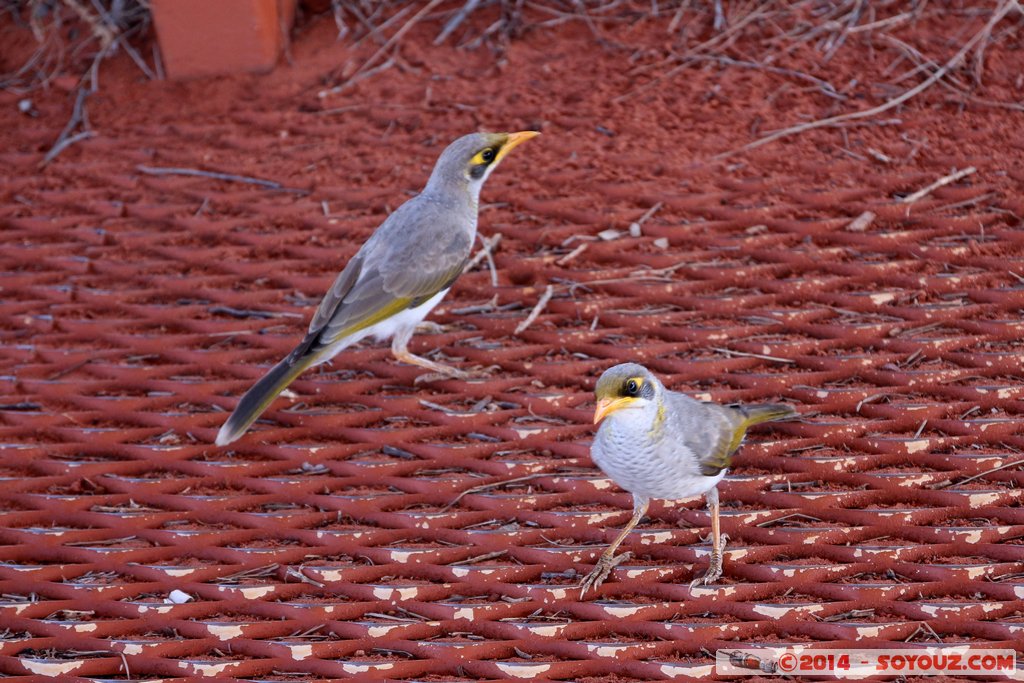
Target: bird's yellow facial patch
{"x": 490, "y": 156}
{"x": 485, "y": 157}
{"x": 622, "y": 389}
{"x": 630, "y": 387}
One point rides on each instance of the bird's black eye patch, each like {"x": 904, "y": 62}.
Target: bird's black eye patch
{"x": 631, "y": 387}
{"x": 477, "y": 172}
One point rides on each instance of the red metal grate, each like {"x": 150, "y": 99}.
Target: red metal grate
{"x": 374, "y": 528}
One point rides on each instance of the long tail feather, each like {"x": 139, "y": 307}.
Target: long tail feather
{"x": 768, "y": 412}
{"x": 260, "y": 396}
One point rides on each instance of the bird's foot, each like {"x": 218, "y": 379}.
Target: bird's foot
{"x": 430, "y": 327}
{"x": 442, "y": 372}
{"x": 714, "y": 571}
{"x": 601, "y": 570}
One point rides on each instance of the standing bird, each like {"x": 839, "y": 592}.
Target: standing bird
{"x": 657, "y": 443}
{"x": 396, "y": 278}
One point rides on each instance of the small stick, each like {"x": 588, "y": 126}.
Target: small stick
{"x": 572, "y": 254}
{"x": 635, "y": 226}
{"x": 362, "y": 75}
{"x": 861, "y": 222}
{"x": 825, "y": 87}
{"x": 229, "y": 177}
{"x": 479, "y": 558}
{"x": 381, "y": 50}
{"x": 549, "y": 291}
{"x": 488, "y": 487}
{"x": 79, "y": 117}
{"x": 898, "y": 19}
{"x": 486, "y": 252}
{"x": 868, "y": 399}
{"x": 480, "y": 308}
{"x": 456, "y": 21}
{"x": 945, "y": 180}
{"x": 444, "y": 409}
{"x": 996, "y": 17}
{"x": 921, "y": 428}
{"x": 297, "y": 573}
{"x": 64, "y": 144}
{"x": 744, "y": 354}
{"x": 944, "y": 484}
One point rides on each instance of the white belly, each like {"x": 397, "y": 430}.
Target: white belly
{"x": 402, "y": 321}
{"x": 668, "y": 473}
{"x": 405, "y": 320}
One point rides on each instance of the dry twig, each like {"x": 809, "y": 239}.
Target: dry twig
{"x": 945, "y": 180}
{"x": 497, "y": 484}
{"x": 549, "y": 291}
{"x": 950, "y": 482}
{"x": 228, "y": 177}
{"x": 487, "y": 248}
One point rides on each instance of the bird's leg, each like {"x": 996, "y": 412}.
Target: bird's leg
{"x": 400, "y": 349}
{"x": 609, "y": 560}
{"x": 718, "y": 540}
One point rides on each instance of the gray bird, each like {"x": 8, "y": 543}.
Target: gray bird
{"x": 660, "y": 444}
{"x": 396, "y": 278}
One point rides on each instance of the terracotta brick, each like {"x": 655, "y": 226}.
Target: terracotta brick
{"x": 202, "y": 38}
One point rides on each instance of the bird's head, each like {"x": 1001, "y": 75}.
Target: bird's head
{"x": 469, "y": 160}
{"x": 628, "y": 386}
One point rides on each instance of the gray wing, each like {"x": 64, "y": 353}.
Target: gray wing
{"x": 417, "y": 252}
{"x": 710, "y": 431}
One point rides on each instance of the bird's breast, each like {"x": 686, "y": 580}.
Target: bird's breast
{"x": 658, "y": 468}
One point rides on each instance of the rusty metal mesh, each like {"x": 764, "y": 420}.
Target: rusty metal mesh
{"x": 372, "y": 527}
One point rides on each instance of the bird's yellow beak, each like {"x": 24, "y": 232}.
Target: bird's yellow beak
{"x": 607, "y": 406}
{"x": 514, "y": 140}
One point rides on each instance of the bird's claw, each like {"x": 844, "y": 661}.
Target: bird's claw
{"x": 601, "y": 570}
{"x": 430, "y": 327}
{"x": 714, "y": 571}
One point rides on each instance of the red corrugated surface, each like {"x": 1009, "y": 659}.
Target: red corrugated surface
{"x": 332, "y": 542}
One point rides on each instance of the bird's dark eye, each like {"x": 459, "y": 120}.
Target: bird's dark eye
{"x": 632, "y": 388}
{"x": 487, "y": 155}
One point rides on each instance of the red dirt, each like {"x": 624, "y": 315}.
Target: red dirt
{"x": 119, "y": 358}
